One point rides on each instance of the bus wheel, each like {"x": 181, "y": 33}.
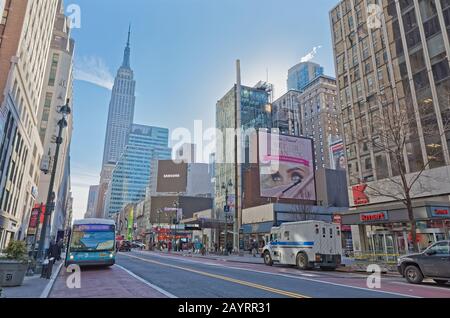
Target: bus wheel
{"x": 267, "y": 259}
{"x": 302, "y": 261}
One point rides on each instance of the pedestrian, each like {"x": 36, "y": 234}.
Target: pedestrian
{"x": 59, "y": 249}
{"x": 169, "y": 246}
{"x": 254, "y": 249}
{"x": 216, "y": 247}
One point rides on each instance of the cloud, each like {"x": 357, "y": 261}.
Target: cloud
{"x": 93, "y": 70}
{"x": 308, "y": 57}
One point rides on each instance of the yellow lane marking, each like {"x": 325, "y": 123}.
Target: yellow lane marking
{"x": 225, "y": 278}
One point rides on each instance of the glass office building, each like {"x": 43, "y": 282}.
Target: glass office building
{"x": 253, "y": 113}
{"x": 131, "y": 176}
{"x": 300, "y": 75}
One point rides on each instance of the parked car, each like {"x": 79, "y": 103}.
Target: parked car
{"x": 125, "y": 246}
{"x": 137, "y": 244}
{"x": 432, "y": 263}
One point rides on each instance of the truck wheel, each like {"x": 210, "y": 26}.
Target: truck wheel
{"x": 440, "y": 281}
{"x": 302, "y": 261}
{"x": 267, "y": 259}
{"x": 413, "y": 274}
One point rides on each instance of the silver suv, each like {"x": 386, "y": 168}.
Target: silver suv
{"x": 433, "y": 263}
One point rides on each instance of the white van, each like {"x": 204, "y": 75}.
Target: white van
{"x": 305, "y": 244}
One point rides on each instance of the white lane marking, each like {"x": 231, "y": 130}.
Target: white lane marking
{"x": 291, "y": 276}
{"x": 425, "y": 286}
{"x": 52, "y": 281}
{"x": 159, "y": 289}
{"x": 309, "y": 275}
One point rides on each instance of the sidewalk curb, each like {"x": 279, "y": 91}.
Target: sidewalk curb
{"x": 52, "y": 281}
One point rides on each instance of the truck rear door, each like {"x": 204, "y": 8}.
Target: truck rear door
{"x": 327, "y": 239}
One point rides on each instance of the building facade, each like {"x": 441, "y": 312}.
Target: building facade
{"x": 396, "y": 61}
{"x": 286, "y": 114}
{"x": 302, "y": 74}
{"x": 92, "y": 200}
{"x": 242, "y": 110}
{"x": 131, "y": 175}
{"x": 26, "y": 32}
{"x": 320, "y": 116}
{"x": 57, "y": 89}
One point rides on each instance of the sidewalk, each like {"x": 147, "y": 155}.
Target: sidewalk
{"x": 112, "y": 282}
{"x": 33, "y": 286}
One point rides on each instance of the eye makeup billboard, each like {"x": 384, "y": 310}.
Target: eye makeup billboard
{"x": 286, "y": 167}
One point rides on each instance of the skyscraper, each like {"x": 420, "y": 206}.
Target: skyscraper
{"x": 120, "y": 120}
{"x": 121, "y": 110}
{"x": 302, "y": 74}
{"x": 393, "y": 76}
{"x": 23, "y": 27}
{"x": 131, "y": 175}
{"x": 242, "y": 108}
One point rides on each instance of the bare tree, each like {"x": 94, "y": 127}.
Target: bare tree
{"x": 395, "y": 132}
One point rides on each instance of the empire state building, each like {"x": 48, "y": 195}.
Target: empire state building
{"x": 120, "y": 121}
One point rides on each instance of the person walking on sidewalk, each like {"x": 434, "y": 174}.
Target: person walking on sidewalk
{"x": 59, "y": 248}
{"x": 254, "y": 248}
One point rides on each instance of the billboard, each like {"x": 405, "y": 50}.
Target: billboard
{"x": 286, "y": 167}
{"x": 337, "y": 156}
{"x": 172, "y": 177}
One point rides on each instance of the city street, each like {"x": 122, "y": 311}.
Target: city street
{"x": 163, "y": 275}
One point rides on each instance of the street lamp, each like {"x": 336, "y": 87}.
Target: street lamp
{"x": 176, "y": 205}
{"x": 226, "y": 210}
{"x": 50, "y": 205}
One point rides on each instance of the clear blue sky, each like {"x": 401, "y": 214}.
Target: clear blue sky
{"x": 183, "y": 55}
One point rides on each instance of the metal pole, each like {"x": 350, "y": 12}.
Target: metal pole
{"x": 50, "y": 197}
{"x": 226, "y": 223}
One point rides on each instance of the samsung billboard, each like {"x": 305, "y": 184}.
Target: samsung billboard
{"x": 172, "y": 177}
{"x": 286, "y": 167}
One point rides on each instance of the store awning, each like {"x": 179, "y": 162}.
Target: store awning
{"x": 257, "y": 228}
{"x": 205, "y": 223}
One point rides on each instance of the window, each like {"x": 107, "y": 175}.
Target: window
{"x": 54, "y": 68}
{"x": 440, "y": 249}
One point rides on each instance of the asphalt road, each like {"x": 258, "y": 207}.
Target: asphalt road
{"x": 200, "y": 278}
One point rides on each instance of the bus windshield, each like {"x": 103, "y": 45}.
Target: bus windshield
{"x": 92, "y": 239}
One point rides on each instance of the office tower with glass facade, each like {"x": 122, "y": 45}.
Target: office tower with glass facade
{"x": 131, "y": 175}
{"x": 392, "y": 65}
{"x": 302, "y": 74}
{"x": 246, "y": 108}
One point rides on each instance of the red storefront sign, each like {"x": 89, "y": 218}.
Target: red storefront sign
{"x": 36, "y": 214}
{"x": 373, "y": 216}
{"x": 440, "y": 212}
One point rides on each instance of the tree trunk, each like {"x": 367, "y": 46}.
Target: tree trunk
{"x": 413, "y": 224}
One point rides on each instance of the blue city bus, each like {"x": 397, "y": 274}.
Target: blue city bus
{"x": 92, "y": 242}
